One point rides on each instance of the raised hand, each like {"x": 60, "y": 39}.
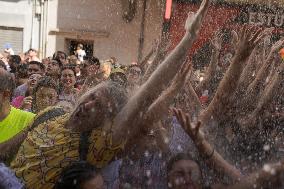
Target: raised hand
{"x": 193, "y": 22}
{"x": 277, "y": 46}
{"x": 235, "y": 38}
{"x": 182, "y": 76}
{"x": 248, "y": 39}
{"x": 193, "y": 131}
{"x": 27, "y": 103}
{"x": 217, "y": 41}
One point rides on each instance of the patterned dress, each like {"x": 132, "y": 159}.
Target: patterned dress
{"x": 50, "y": 147}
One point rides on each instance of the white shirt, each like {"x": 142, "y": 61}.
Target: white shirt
{"x": 81, "y": 53}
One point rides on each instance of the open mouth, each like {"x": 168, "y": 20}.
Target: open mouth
{"x": 68, "y": 82}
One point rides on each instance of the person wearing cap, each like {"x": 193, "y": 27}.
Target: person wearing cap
{"x": 118, "y": 75}
{"x": 54, "y": 70}
{"x": 8, "y": 49}
{"x": 80, "y": 53}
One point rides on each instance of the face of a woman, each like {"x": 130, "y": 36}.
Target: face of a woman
{"x": 53, "y": 68}
{"x": 94, "y": 183}
{"x": 45, "y": 97}
{"x": 68, "y": 78}
{"x": 33, "y": 79}
{"x": 185, "y": 174}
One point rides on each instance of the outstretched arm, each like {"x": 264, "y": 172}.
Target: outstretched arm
{"x": 214, "y": 159}
{"x": 211, "y": 71}
{"x": 161, "y": 105}
{"x": 262, "y": 74}
{"x": 146, "y": 58}
{"x": 269, "y": 92}
{"x": 246, "y": 44}
{"x": 138, "y": 104}
{"x": 161, "y": 52}
{"x": 271, "y": 176}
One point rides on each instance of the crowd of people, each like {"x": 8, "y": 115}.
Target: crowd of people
{"x": 78, "y": 122}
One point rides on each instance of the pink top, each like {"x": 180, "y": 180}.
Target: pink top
{"x": 17, "y": 102}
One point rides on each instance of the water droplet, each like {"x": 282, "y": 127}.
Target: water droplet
{"x": 266, "y": 168}
{"x": 148, "y": 173}
{"x": 74, "y": 181}
{"x": 266, "y": 147}
{"x": 146, "y": 153}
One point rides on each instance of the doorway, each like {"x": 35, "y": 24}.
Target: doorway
{"x": 71, "y": 46}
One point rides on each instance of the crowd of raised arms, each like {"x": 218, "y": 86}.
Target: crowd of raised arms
{"x": 77, "y": 122}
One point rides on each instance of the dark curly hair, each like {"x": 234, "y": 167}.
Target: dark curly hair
{"x": 45, "y": 81}
{"x": 74, "y": 176}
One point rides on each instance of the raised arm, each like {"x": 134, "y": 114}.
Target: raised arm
{"x": 211, "y": 70}
{"x": 227, "y": 87}
{"x": 161, "y": 105}
{"x": 161, "y": 52}
{"x": 211, "y": 156}
{"x": 270, "y": 176}
{"x": 272, "y": 88}
{"x": 133, "y": 111}
{"x": 146, "y": 58}
{"x": 255, "y": 61}
{"x": 265, "y": 68}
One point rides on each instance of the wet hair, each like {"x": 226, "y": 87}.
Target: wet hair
{"x": 22, "y": 71}
{"x": 47, "y": 82}
{"x": 32, "y": 50}
{"x": 6, "y": 81}
{"x": 14, "y": 61}
{"x": 57, "y": 62}
{"x": 91, "y": 60}
{"x": 114, "y": 92}
{"x": 41, "y": 65}
{"x": 3, "y": 65}
{"x": 178, "y": 157}
{"x": 75, "y": 175}
{"x": 69, "y": 67}
{"x": 72, "y": 59}
{"x": 55, "y": 55}
{"x": 8, "y": 180}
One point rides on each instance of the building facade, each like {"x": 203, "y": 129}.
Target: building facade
{"x": 19, "y": 25}
{"x": 109, "y": 28}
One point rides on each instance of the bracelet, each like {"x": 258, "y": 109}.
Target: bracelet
{"x": 209, "y": 156}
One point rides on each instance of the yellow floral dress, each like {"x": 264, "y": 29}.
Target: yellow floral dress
{"x": 50, "y": 147}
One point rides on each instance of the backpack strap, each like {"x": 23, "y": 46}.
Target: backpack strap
{"x": 50, "y": 114}
{"x": 84, "y": 145}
